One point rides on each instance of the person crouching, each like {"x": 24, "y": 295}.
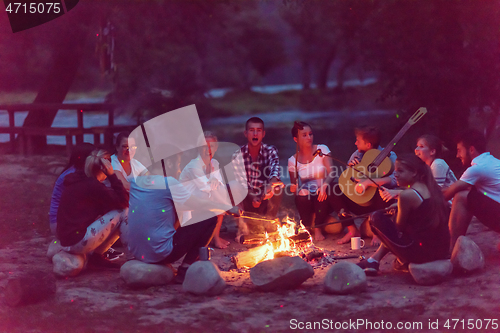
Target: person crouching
{"x": 90, "y": 213}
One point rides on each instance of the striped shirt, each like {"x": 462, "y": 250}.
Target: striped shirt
{"x": 258, "y": 173}
{"x": 442, "y": 173}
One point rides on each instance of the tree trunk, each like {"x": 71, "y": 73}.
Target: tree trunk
{"x": 306, "y": 73}
{"x": 324, "y": 68}
{"x": 341, "y": 73}
{"x": 492, "y": 124}
{"x": 68, "y": 49}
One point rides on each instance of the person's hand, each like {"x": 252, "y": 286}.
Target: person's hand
{"x": 256, "y": 202}
{"x": 387, "y": 194}
{"x": 354, "y": 161}
{"x": 322, "y": 195}
{"x": 269, "y": 194}
{"x": 107, "y": 168}
{"x": 362, "y": 185}
{"x": 213, "y": 183}
{"x": 293, "y": 188}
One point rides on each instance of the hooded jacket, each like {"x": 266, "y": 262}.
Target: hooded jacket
{"x": 83, "y": 200}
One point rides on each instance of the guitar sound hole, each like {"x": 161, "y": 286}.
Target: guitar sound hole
{"x": 372, "y": 168}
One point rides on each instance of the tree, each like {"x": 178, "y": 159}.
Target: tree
{"x": 440, "y": 54}
{"x": 328, "y": 31}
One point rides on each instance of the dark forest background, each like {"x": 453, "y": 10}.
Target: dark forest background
{"x": 442, "y": 54}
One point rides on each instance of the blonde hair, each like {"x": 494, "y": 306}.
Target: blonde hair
{"x": 93, "y": 163}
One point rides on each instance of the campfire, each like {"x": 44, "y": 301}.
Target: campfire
{"x": 272, "y": 239}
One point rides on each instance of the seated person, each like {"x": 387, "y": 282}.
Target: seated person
{"x": 89, "y": 212}
{"x": 419, "y": 232}
{"x": 429, "y": 149}
{"x": 367, "y": 137}
{"x": 123, "y": 161}
{"x": 314, "y": 176}
{"x": 261, "y": 171}
{"x": 76, "y": 162}
{"x": 154, "y": 199}
{"x": 201, "y": 176}
{"x": 477, "y": 193}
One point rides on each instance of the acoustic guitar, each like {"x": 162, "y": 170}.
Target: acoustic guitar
{"x": 374, "y": 164}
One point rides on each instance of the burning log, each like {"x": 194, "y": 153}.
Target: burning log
{"x": 312, "y": 255}
{"x": 273, "y": 237}
{"x": 300, "y": 238}
{"x": 252, "y": 257}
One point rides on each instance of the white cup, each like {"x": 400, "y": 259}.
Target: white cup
{"x": 357, "y": 243}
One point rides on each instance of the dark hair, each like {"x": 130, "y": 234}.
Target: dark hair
{"x": 369, "y": 134}
{"x": 424, "y": 175}
{"x": 472, "y": 138}
{"x": 172, "y": 152}
{"x": 120, "y": 137}
{"x": 256, "y": 120}
{"x": 78, "y": 155}
{"x": 434, "y": 143}
{"x": 298, "y": 125}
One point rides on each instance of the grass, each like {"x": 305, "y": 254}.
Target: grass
{"x": 248, "y": 102}
{"x": 23, "y": 97}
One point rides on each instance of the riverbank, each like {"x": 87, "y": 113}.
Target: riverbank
{"x": 99, "y": 301}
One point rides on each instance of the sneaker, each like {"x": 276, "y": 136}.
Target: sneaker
{"x": 370, "y": 268}
{"x": 112, "y": 254}
{"x": 398, "y": 266}
{"x": 99, "y": 261}
{"x": 181, "y": 275}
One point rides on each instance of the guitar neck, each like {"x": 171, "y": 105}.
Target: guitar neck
{"x": 387, "y": 150}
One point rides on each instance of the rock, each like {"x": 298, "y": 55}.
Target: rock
{"x": 345, "y": 278}
{"x": 281, "y": 273}
{"x": 54, "y": 247}
{"x": 203, "y": 278}
{"x": 466, "y": 255}
{"x": 31, "y": 287}
{"x": 138, "y": 274}
{"x": 68, "y": 264}
{"x": 430, "y": 273}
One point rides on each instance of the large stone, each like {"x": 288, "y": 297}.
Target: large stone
{"x": 345, "y": 278}
{"x": 138, "y": 274}
{"x": 281, "y": 273}
{"x": 430, "y": 273}
{"x": 68, "y": 264}
{"x": 466, "y": 255}
{"x": 54, "y": 247}
{"x": 203, "y": 278}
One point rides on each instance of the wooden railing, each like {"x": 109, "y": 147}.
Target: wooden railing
{"x": 26, "y": 134}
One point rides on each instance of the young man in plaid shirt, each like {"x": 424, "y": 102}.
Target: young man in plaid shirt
{"x": 261, "y": 167}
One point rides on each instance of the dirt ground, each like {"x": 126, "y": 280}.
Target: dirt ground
{"x": 99, "y": 301}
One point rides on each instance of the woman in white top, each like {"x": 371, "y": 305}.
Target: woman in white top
{"x": 314, "y": 175}
{"x": 429, "y": 147}
{"x": 123, "y": 161}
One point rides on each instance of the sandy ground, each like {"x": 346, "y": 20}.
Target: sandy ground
{"x": 99, "y": 301}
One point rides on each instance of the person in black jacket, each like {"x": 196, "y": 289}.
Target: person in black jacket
{"x": 90, "y": 213}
